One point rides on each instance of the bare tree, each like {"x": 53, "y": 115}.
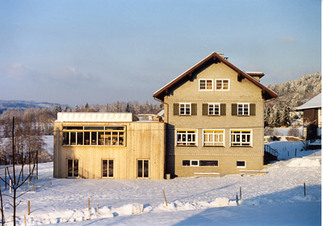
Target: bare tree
{"x": 16, "y": 178}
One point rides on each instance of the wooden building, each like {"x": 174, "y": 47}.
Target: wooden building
{"x": 107, "y": 145}
{"x": 312, "y": 118}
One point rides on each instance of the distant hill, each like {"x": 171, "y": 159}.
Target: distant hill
{"x": 295, "y": 93}
{"x": 22, "y": 104}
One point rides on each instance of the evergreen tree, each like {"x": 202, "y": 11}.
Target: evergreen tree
{"x": 276, "y": 120}
{"x": 285, "y": 118}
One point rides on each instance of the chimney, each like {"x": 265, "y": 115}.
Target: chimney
{"x": 222, "y": 55}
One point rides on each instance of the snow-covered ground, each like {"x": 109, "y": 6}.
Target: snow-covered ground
{"x": 292, "y": 149}
{"x": 284, "y": 131}
{"x": 276, "y": 198}
{"x": 49, "y": 144}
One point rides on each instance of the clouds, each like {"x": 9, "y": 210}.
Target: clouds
{"x": 71, "y": 74}
{"x": 287, "y": 39}
{"x": 18, "y": 71}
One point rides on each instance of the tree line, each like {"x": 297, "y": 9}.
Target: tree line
{"x": 33, "y": 123}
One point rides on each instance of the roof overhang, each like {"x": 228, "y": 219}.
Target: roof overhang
{"x": 214, "y": 58}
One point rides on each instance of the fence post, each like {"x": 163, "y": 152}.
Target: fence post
{"x": 304, "y": 189}
{"x": 165, "y": 197}
{"x": 28, "y": 207}
{"x": 88, "y": 204}
{"x": 5, "y": 177}
{"x": 237, "y": 200}
{"x": 240, "y": 193}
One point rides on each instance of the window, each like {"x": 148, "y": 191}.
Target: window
{"x": 143, "y": 168}
{"x": 213, "y": 109}
{"x": 209, "y": 163}
{"x": 108, "y": 136}
{"x": 241, "y": 138}
{"x": 200, "y": 163}
{"x": 72, "y": 167}
{"x": 185, "y": 108}
{"x": 243, "y": 109}
{"x": 241, "y": 164}
{"x": 222, "y": 84}
{"x": 107, "y": 168}
{"x": 213, "y": 138}
{"x": 186, "y": 138}
{"x": 205, "y": 84}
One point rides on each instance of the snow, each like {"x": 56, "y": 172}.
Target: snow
{"x": 315, "y": 102}
{"x": 285, "y": 131}
{"x": 276, "y": 198}
{"x": 49, "y": 143}
{"x": 292, "y": 149}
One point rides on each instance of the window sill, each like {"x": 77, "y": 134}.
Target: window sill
{"x": 185, "y": 146}
{"x": 214, "y": 146}
{"x": 241, "y": 146}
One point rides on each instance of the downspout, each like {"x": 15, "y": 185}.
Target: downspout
{"x": 164, "y": 109}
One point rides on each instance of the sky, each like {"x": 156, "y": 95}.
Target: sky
{"x": 98, "y": 52}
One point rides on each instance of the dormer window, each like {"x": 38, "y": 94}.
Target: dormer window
{"x": 205, "y": 84}
{"x": 222, "y": 84}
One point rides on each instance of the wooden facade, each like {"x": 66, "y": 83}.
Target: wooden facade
{"x": 119, "y": 150}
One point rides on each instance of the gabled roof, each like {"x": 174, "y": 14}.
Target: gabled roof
{"x": 213, "y": 58}
{"x": 315, "y": 102}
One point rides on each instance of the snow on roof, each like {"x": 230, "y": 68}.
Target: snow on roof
{"x": 161, "y": 113}
{"x": 315, "y": 102}
{"x": 93, "y": 117}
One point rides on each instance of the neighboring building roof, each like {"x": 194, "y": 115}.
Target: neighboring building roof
{"x": 315, "y": 102}
{"x": 93, "y": 117}
{"x": 161, "y": 113}
{"x": 214, "y": 58}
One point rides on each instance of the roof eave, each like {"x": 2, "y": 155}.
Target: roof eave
{"x": 271, "y": 94}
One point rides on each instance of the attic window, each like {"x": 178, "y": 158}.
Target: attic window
{"x": 206, "y": 84}
{"x": 222, "y": 84}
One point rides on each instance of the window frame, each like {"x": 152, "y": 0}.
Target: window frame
{"x": 186, "y": 133}
{"x": 73, "y": 168}
{"x": 243, "y": 107}
{"x": 214, "y": 105}
{"x": 206, "y": 84}
{"x": 241, "y": 167}
{"x": 221, "y": 89}
{"x": 198, "y": 163}
{"x": 108, "y": 168}
{"x": 185, "y": 106}
{"x": 143, "y": 169}
{"x": 213, "y": 142}
{"x": 240, "y": 143}
{"x": 88, "y": 132}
